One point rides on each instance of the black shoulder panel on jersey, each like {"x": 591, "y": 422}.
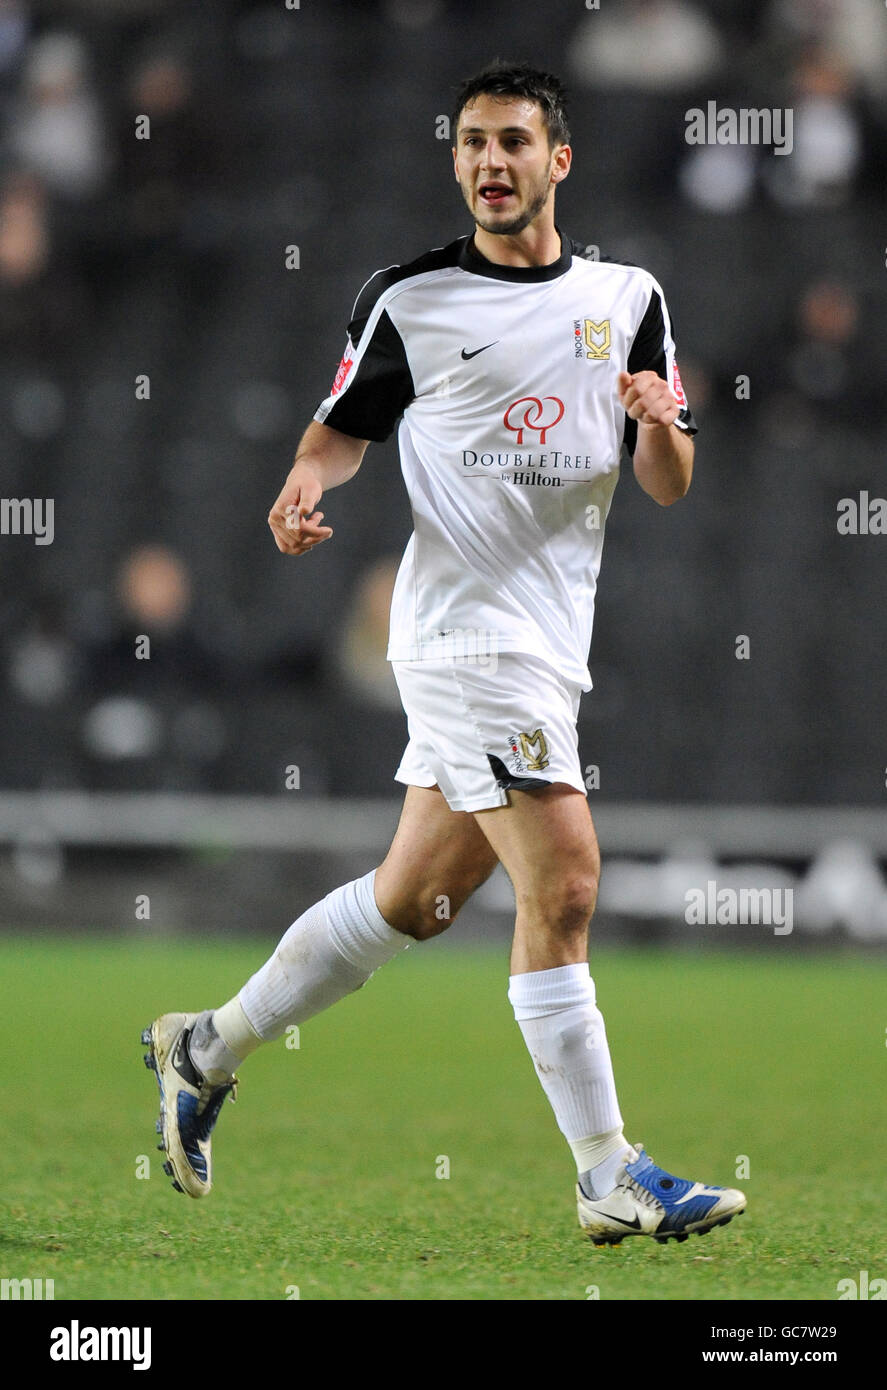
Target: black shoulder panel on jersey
{"x": 380, "y": 390}
{"x": 381, "y": 386}
{"x": 438, "y": 259}
{"x": 647, "y": 354}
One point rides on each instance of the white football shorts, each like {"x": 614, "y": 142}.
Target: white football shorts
{"x": 477, "y": 731}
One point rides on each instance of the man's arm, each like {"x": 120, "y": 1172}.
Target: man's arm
{"x": 325, "y": 458}
{"x": 663, "y": 455}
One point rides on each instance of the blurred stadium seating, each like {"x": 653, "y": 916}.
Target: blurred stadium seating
{"x": 315, "y": 127}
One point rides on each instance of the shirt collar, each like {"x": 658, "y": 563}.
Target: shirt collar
{"x": 471, "y": 260}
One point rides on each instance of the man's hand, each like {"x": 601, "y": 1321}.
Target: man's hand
{"x": 663, "y": 457}
{"x": 294, "y": 519}
{"x": 325, "y": 458}
{"x": 645, "y": 397}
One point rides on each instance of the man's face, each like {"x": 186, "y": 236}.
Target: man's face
{"x": 505, "y": 167}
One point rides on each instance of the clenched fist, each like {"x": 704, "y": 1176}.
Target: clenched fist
{"x": 645, "y": 397}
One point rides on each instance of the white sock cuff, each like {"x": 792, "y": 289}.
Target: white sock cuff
{"x": 357, "y": 928}
{"x": 594, "y": 1149}
{"x": 543, "y": 992}
{"x": 236, "y": 1031}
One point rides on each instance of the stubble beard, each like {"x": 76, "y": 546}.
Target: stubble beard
{"x": 522, "y": 220}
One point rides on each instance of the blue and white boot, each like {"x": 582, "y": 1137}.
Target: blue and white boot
{"x": 647, "y": 1201}
{"x": 189, "y": 1103}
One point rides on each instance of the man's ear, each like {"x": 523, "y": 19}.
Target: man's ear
{"x": 563, "y": 158}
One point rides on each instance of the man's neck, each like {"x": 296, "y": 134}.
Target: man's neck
{"x": 534, "y": 246}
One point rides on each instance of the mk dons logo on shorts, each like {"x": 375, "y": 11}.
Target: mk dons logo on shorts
{"x": 529, "y": 752}
{"x": 531, "y": 413}
{"x": 591, "y": 339}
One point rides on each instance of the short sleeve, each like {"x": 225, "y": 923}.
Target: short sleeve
{"x": 373, "y": 384}
{"x": 653, "y": 350}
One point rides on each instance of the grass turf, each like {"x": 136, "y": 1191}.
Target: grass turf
{"x": 325, "y": 1169}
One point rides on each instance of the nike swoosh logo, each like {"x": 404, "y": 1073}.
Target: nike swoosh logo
{"x": 467, "y": 356}
{"x": 631, "y": 1225}
{"x": 181, "y": 1060}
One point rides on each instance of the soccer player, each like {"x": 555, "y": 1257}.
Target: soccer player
{"x": 514, "y": 361}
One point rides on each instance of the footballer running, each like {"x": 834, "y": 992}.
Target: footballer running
{"x": 517, "y": 368}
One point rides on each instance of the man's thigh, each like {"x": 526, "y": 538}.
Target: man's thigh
{"x": 545, "y": 840}
{"x": 436, "y": 852}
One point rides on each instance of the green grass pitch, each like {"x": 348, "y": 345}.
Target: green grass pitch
{"x": 326, "y": 1169}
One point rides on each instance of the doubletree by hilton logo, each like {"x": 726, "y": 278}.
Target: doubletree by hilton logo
{"x": 534, "y": 414}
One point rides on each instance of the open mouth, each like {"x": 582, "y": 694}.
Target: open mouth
{"x": 494, "y": 193}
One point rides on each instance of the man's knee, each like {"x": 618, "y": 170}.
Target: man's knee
{"x": 579, "y": 899}
{"x": 566, "y": 904}
{"x": 434, "y": 907}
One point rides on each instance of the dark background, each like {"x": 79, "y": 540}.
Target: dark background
{"x": 317, "y": 128}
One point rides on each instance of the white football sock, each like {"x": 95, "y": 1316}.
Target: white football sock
{"x": 329, "y": 952}
{"x": 210, "y": 1050}
{"x": 564, "y": 1032}
{"x": 235, "y": 1029}
{"x": 600, "y": 1160}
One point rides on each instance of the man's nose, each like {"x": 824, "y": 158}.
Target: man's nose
{"x": 494, "y": 156}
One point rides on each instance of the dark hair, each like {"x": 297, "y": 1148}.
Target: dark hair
{"x": 501, "y": 79}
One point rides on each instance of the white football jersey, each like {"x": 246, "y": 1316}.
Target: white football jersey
{"x": 510, "y": 437}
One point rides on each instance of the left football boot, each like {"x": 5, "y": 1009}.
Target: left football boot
{"x": 189, "y": 1103}
{"x": 647, "y": 1201}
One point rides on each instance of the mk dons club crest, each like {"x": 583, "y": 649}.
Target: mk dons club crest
{"x": 592, "y": 339}
{"x": 529, "y": 752}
